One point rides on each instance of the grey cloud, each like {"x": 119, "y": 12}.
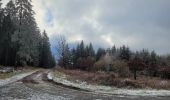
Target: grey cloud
{"x": 136, "y": 23}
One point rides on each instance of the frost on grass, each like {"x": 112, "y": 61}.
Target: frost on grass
{"x": 23, "y": 92}
{"x": 61, "y": 78}
{"x": 14, "y": 78}
{"x": 46, "y": 97}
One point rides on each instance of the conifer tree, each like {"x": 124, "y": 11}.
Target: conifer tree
{"x": 47, "y": 60}
{"x": 91, "y": 50}
{"x": 100, "y": 52}
{"x": 82, "y": 49}
{"x": 27, "y": 35}
{"x": 8, "y": 31}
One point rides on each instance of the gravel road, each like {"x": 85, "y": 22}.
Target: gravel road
{"x": 36, "y": 87}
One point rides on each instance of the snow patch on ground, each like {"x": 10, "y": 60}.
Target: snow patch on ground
{"x": 49, "y": 76}
{"x": 14, "y": 78}
{"x": 46, "y": 97}
{"x": 108, "y": 89}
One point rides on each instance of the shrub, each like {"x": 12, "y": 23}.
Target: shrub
{"x": 99, "y": 66}
{"x": 86, "y": 63}
{"x": 165, "y": 73}
{"x": 121, "y": 68}
{"x": 104, "y": 64}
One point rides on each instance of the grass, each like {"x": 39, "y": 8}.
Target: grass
{"x": 8, "y": 75}
{"x": 20, "y": 70}
{"x": 110, "y": 79}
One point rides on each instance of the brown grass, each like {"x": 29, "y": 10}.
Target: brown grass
{"x": 112, "y": 79}
{"x": 19, "y": 70}
{"x": 90, "y": 77}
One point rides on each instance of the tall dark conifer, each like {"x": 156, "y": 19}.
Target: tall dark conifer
{"x": 8, "y": 31}
{"x": 47, "y": 60}
{"x": 27, "y": 35}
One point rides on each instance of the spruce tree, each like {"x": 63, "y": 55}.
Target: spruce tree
{"x": 124, "y": 53}
{"x": 91, "y": 50}
{"x": 8, "y": 31}
{"x": 82, "y": 49}
{"x": 100, "y": 52}
{"x": 27, "y": 35}
{"x": 1, "y": 20}
{"x": 47, "y": 60}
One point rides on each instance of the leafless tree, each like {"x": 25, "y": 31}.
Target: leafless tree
{"x": 62, "y": 51}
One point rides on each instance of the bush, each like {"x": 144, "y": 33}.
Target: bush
{"x": 86, "y": 63}
{"x": 165, "y": 73}
{"x": 104, "y": 64}
{"x": 121, "y": 68}
{"x": 117, "y": 66}
{"x": 99, "y": 66}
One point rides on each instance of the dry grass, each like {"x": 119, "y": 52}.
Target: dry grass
{"x": 155, "y": 83}
{"x": 7, "y": 75}
{"x": 111, "y": 79}
{"x": 90, "y": 77}
{"x": 19, "y": 70}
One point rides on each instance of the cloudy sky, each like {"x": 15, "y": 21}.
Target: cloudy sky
{"x": 136, "y": 23}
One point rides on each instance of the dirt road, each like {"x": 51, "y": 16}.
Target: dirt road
{"x": 37, "y": 87}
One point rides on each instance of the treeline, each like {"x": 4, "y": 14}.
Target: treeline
{"x": 21, "y": 43}
{"x": 119, "y": 60}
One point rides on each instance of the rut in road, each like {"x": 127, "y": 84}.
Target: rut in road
{"x": 37, "y": 87}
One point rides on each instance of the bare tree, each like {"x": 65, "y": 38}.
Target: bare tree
{"x": 63, "y": 51}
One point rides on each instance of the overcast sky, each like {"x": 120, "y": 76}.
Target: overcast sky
{"x": 136, "y": 23}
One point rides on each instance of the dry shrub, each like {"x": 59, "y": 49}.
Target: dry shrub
{"x": 90, "y": 77}
{"x": 104, "y": 78}
{"x": 86, "y": 63}
{"x": 99, "y": 66}
{"x": 165, "y": 73}
{"x": 121, "y": 68}
{"x": 157, "y": 83}
{"x": 103, "y": 64}
{"x": 112, "y": 79}
{"x": 119, "y": 82}
{"x": 116, "y": 66}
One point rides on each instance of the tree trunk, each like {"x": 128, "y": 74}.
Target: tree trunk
{"x": 135, "y": 74}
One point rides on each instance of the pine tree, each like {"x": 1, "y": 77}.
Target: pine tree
{"x": 78, "y": 54}
{"x": 67, "y": 57}
{"x": 91, "y": 50}
{"x": 1, "y": 20}
{"x": 11, "y": 10}
{"x": 9, "y": 28}
{"x": 100, "y": 52}
{"x": 47, "y": 60}
{"x": 153, "y": 66}
{"x": 113, "y": 50}
{"x": 27, "y": 35}
{"x": 82, "y": 49}
{"x": 8, "y": 31}
{"x": 124, "y": 53}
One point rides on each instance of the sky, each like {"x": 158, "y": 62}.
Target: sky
{"x": 135, "y": 23}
